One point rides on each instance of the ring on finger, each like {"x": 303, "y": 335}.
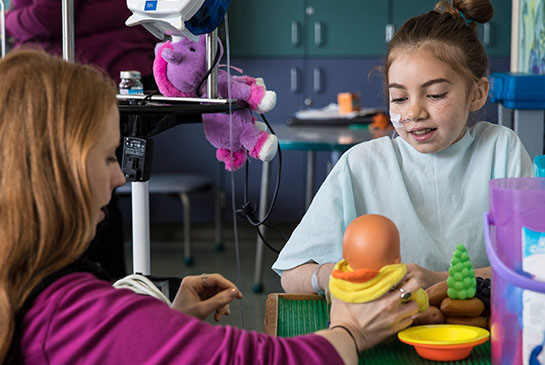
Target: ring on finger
{"x": 405, "y": 295}
{"x": 204, "y": 276}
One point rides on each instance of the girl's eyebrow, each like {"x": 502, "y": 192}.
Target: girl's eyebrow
{"x": 435, "y": 81}
{"x": 424, "y": 85}
{"x": 396, "y": 86}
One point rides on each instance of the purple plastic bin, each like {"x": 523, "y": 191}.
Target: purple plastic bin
{"x": 513, "y": 203}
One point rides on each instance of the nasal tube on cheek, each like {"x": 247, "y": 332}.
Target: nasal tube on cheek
{"x": 396, "y": 120}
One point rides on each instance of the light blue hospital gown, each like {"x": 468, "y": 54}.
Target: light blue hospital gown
{"x": 436, "y": 200}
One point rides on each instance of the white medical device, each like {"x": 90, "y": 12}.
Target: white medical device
{"x": 162, "y": 17}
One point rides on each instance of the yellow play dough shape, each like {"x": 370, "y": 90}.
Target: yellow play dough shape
{"x": 386, "y": 279}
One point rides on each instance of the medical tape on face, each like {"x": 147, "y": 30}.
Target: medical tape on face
{"x": 396, "y": 120}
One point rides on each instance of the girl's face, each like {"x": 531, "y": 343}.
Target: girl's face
{"x": 103, "y": 168}
{"x": 431, "y": 100}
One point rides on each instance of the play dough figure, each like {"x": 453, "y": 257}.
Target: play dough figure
{"x": 371, "y": 263}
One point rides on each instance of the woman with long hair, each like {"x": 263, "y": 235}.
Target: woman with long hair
{"x": 59, "y": 129}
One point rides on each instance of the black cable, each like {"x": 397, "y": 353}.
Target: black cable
{"x": 133, "y": 119}
{"x": 251, "y": 218}
{"x": 148, "y": 97}
{"x": 249, "y": 208}
{"x": 246, "y": 170}
{"x": 265, "y": 241}
{"x": 276, "y": 229}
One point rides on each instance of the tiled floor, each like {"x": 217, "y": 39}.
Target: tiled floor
{"x": 167, "y": 260}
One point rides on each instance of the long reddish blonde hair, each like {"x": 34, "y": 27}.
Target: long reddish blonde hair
{"x": 51, "y": 113}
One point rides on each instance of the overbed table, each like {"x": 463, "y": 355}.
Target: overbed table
{"x": 288, "y": 315}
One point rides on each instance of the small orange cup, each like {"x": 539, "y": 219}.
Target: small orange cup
{"x": 348, "y": 102}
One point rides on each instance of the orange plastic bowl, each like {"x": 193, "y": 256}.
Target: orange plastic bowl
{"x": 444, "y": 342}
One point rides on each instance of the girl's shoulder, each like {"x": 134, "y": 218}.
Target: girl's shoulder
{"x": 499, "y": 138}
{"x": 482, "y": 130}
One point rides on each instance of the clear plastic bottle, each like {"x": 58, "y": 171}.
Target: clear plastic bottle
{"x": 130, "y": 83}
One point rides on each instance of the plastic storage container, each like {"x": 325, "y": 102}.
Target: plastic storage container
{"x": 539, "y": 166}
{"x": 518, "y": 90}
{"x": 517, "y": 206}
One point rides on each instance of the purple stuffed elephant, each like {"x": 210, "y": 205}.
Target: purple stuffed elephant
{"x": 178, "y": 69}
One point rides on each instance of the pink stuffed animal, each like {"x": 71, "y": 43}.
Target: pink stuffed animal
{"x": 178, "y": 69}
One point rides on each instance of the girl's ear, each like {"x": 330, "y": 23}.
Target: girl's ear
{"x": 480, "y": 94}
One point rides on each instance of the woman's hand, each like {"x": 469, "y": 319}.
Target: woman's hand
{"x": 201, "y": 295}
{"x": 425, "y": 278}
{"x": 372, "y": 322}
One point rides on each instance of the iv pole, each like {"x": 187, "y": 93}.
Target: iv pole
{"x": 68, "y": 30}
{"x": 3, "y": 30}
{"x": 139, "y": 189}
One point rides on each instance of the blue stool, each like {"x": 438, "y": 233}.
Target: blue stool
{"x": 181, "y": 185}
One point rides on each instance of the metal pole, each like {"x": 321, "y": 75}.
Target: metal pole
{"x": 68, "y": 30}
{"x": 309, "y": 192}
{"x": 211, "y": 49}
{"x": 3, "y": 20}
{"x": 263, "y": 204}
{"x": 140, "y": 227}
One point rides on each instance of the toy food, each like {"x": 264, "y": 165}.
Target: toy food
{"x": 479, "y": 321}
{"x": 461, "y": 281}
{"x": 371, "y": 262}
{"x": 454, "y": 298}
{"x": 462, "y": 308}
{"x": 437, "y": 292}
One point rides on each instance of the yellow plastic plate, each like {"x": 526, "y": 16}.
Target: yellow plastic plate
{"x": 444, "y": 342}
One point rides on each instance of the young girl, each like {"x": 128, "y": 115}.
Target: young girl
{"x": 432, "y": 180}
{"x": 59, "y": 129}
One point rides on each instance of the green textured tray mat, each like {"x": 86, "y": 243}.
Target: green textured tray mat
{"x": 299, "y": 317}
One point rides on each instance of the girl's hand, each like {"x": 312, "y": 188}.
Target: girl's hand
{"x": 425, "y": 278}
{"x": 372, "y": 322}
{"x": 201, "y": 295}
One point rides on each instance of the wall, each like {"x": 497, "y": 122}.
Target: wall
{"x": 185, "y": 149}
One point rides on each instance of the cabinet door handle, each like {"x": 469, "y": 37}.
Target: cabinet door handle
{"x": 318, "y": 36}
{"x": 317, "y": 80}
{"x": 486, "y": 34}
{"x": 294, "y": 80}
{"x": 295, "y": 39}
{"x": 389, "y": 32}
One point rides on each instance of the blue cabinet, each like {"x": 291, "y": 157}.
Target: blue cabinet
{"x": 321, "y": 36}
{"x": 263, "y": 28}
{"x": 496, "y": 34}
{"x": 307, "y": 28}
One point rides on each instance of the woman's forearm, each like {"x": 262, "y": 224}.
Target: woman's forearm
{"x": 343, "y": 343}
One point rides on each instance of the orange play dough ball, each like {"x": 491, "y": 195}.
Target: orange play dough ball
{"x": 370, "y": 242}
